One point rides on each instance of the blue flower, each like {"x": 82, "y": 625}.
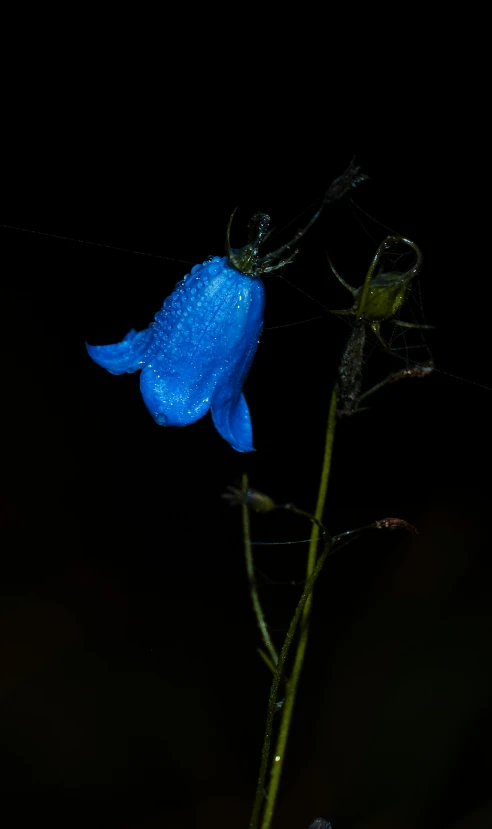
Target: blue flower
{"x": 197, "y": 353}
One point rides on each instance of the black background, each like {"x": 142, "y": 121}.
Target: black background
{"x": 131, "y": 693}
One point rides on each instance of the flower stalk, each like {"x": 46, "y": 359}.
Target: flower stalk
{"x": 302, "y": 614}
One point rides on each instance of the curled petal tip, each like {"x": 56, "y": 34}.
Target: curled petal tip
{"x": 233, "y": 421}
{"x": 123, "y": 357}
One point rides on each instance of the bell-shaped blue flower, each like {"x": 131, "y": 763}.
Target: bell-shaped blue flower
{"x": 197, "y": 353}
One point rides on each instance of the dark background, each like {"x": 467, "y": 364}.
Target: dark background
{"x": 131, "y": 693}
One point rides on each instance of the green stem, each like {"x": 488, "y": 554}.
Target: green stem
{"x": 276, "y": 682}
{"x": 304, "y": 609}
{"x": 250, "y": 569}
{"x": 266, "y": 659}
{"x": 323, "y": 486}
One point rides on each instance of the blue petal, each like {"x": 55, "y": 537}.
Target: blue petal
{"x": 197, "y": 353}
{"x": 124, "y": 357}
{"x": 232, "y": 421}
{"x": 206, "y": 336}
{"x": 172, "y": 399}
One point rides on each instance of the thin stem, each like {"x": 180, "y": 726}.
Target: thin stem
{"x": 323, "y": 486}
{"x": 266, "y": 659}
{"x": 338, "y": 188}
{"x": 418, "y": 370}
{"x": 250, "y": 569}
{"x": 312, "y": 518}
{"x": 276, "y": 682}
{"x": 303, "y": 609}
